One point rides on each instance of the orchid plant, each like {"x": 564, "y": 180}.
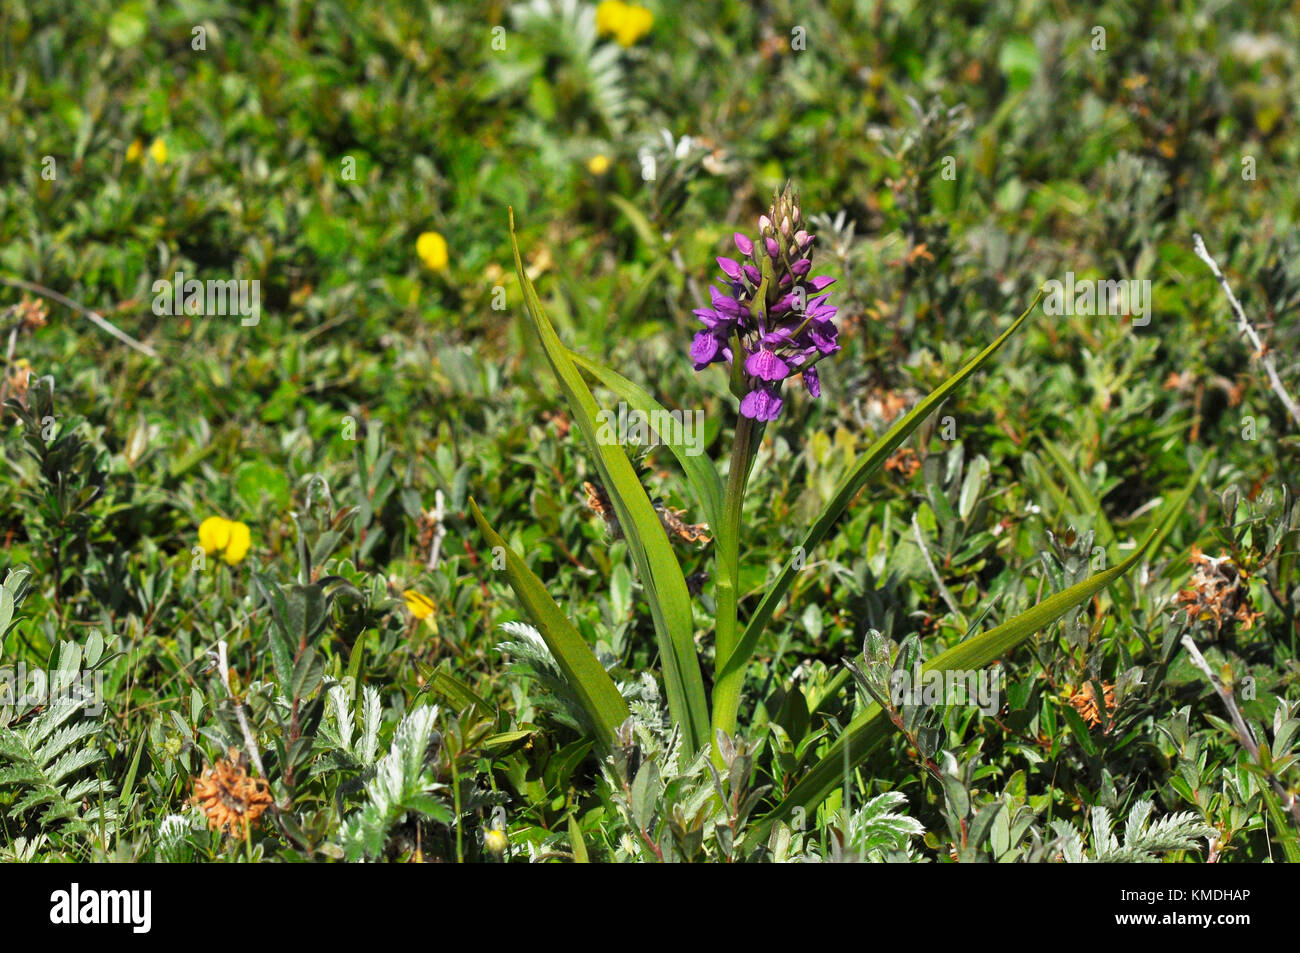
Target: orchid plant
{"x": 769, "y": 320}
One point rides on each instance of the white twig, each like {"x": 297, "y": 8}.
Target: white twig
{"x": 1230, "y": 703}
{"x": 439, "y": 531}
{"x": 95, "y": 317}
{"x": 254, "y": 753}
{"x": 1274, "y": 381}
{"x": 9, "y": 362}
{"x": 1244, "y": 734}
{"x": 943, "y": 590}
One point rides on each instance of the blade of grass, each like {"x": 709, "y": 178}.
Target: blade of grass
{"x": 453, "y": 690}
{"x": 1083, "y": 497}
{"x": 1038, "y": 473}
{"x": 1282, "y": 829}
{"x": 595, "y": 689}
{"x": 576, "y": 842}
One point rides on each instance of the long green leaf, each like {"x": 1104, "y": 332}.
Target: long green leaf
{"x": 1282, "y": 828}
{"x": 700, "y": 473}
{"x": 1166, "y": 522}
{"x": 595, "y": 689}
{"x": 848, "y": 489}
{"x": 661, "y": 574}
{"x": 1083, "y": 497}
{"x": 1041, "y": 478}
{"x": 869, "y": 729}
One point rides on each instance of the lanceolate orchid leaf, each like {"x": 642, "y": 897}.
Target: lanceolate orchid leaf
{"x": 856, "y": 478}
{"x": 661, "y": 574}
{"x": 592, "y": 684}
{"x": 869, "y": 729}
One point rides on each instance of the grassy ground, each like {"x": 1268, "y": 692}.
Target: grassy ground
{"x": 953, "y": 160}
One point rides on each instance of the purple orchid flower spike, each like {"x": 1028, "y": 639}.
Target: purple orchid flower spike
{"x": 787, "y": 332}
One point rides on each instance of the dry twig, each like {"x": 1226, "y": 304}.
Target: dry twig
{"x": 1260, "y": 351}
{"x": 95, "y": 317}
{"x": 1244, "y": 734}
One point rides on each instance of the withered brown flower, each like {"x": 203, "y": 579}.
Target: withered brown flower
{"x": 905, "y": 462}
{"x": 1217, "y": 591}
{"x": 1084, "y": 701}
{"x": 427, "y": 526}
{"x": 558, "y": 420}
{"x": 678, "y": 528}
{"x": 884, "y": 406}
{"x": 675, "y": 526}
{"x": 230, "y": 798}
{"x": 19, "y": 380}
{"x": 32, "y": 313}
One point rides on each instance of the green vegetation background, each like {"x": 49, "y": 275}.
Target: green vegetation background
{"x": 393, "y": 380}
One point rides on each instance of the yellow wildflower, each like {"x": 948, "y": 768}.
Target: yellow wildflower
{"x": 432, "y": 249}
{"x": 421, "y": 606}
{"x": 229, "y": 537}
{"x": 214, "y": 534}
{"x": 598, "y": 164}
{"x": 626, "y": 22}
{"x": 158, "y": 151}
{"x": 240, "y": 540}
{"x": 134, "y": 151}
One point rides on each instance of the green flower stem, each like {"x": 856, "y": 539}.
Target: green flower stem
{"x": 726, "y": 691}
{"x": 728, "y": 683}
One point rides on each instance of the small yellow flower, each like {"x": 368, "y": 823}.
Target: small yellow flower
{"x": 214, "y": 534}
{"x": 229, "y": 537}
{"x": 158, "y": 151}
{"x": 432, "y": 249}
{"x": 421, "y": 606}
{"x": 627, "y": 22}
{"x": 598, "y": 164}
{"x": 240, "y": 540}
{"x": 134, "y": 151}
{"x": 496, "y": 841}
{"x": 607, "y": 15}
